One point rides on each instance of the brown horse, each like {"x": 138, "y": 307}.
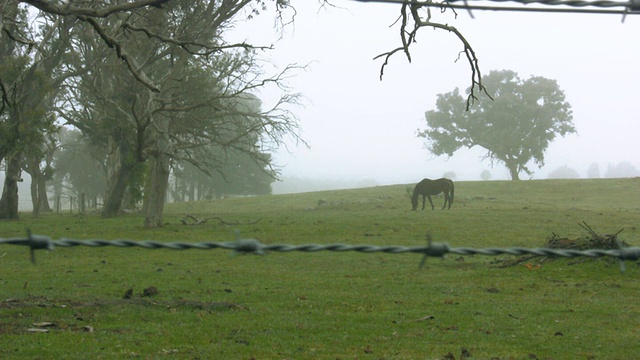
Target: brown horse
{"x": 428, "y": 187}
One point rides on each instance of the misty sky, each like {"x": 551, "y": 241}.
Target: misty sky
{"x": 360, "y": 128}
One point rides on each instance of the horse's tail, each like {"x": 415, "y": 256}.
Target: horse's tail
{"x": 452, "y": 188}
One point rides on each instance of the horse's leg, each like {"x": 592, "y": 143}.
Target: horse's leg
{"x": 423, "y": 200}
{"x": 446, "y": 199}
{"x": 430, "y": 202}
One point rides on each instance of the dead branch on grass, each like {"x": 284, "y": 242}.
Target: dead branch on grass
{"x": 594, "y": 241}
{"x": 192, "y": 220}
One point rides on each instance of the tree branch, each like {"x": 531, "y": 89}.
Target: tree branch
{"x": 122, "y": 54}
{"x": 409, "y": 10}
{"x": 67, "y": 9}
{"x": 186, "y": 45}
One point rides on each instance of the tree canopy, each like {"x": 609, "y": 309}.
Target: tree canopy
{"x": 515, "y": 126}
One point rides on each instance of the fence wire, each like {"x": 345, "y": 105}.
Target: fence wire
{"x": 557, "y": 6}
{"x": 254, "y": 246}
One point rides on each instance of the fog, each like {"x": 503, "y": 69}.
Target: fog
{"x": 362, "y": 131}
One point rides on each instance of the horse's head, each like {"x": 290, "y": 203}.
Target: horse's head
{"x": 414, "y": 203}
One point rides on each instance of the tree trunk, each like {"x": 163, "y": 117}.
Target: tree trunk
{"x": 192, "y": 191}
{"x": 34, "y": 194}
{"x": 514, "y": 173}
{"x": 116, "y": 187}
{"x": 119, "y": 172}
{"x": 43, "y": 197}
{"x": 9, "y": 200}
{"x": 512, "y": 165}
{"x": 155, "y": 191}
{"x": 39, "y": 200}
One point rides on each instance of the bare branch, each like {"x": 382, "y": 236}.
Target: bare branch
{"x": 187, "y": 45}
{"x": 122, "y": 53}
{"x": 409, "y": 10}
{"x": 67, "y": 9}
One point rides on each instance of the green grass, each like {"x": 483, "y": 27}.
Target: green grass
{"x": 332, "y": 305}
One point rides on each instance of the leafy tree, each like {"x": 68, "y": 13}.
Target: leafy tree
{"x": 485, "y": 175}
{"x": 449, "y": 175}
{"x": 241, "y": 175}
{"x": 79, "y": 166}
{"x": 29, "y": 83}
{"x": 594, "y": 171}
{"x": 515, "y": 127}
{"x": 205, "y": 103}
{"x": 563, "y": 172}
{"x": 623, "y": 169}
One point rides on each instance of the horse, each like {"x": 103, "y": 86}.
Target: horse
{"x": 428, "y": 187}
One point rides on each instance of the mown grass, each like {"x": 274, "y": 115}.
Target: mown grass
{"x": 332, "y": 305}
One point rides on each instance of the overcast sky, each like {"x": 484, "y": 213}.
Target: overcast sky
{"x": 360, "y": 128}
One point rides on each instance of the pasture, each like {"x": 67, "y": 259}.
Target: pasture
{"x": 75, "y": 302}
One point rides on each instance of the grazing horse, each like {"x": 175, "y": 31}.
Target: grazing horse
{"x": 428, "y": 187}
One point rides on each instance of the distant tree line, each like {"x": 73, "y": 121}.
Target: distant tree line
{"x": 621, "y": 170}
{"x": 81, "y": 171}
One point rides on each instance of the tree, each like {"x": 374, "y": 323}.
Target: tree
{"x": 594, "y": 171}
{"x": 29, "y": 85}
{"x": 563, "y": 172}
{"x": 205, "y": 108}
{"x": 449, "y": 175}
{"x": 623, "y": 169}
{"x": 515, "y": 127}
{"x": 79, "y": 166}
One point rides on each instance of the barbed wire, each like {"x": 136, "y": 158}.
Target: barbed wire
{"x": 568, "y": 6}
{"x": 254, "y": 246}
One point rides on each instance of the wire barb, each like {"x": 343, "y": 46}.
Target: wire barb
{"x": 249, "y": 246}
{"x": 434, "y": 250}
{"x": 34, "y": 242}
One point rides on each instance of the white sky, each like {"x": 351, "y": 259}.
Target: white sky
{"x": 360, "y": 128}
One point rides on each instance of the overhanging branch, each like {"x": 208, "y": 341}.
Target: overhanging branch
{"x": 68, "y": 9}
{"x": 409, "y": 10}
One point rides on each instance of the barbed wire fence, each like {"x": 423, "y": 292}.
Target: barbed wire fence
{"x": 624, "y": 8}
{"x": 254, "y": 246}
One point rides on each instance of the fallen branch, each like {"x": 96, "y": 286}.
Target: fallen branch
{"x": 192, "y": 220}
{"x": 595, "y": 241}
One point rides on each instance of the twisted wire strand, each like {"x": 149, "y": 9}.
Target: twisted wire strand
{"x": 254, "y": 246}
{"x": 557, "y": 6}
{"x": 571, "y": 3}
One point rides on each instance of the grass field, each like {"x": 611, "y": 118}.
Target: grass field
{"x": 73, "y": 304}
